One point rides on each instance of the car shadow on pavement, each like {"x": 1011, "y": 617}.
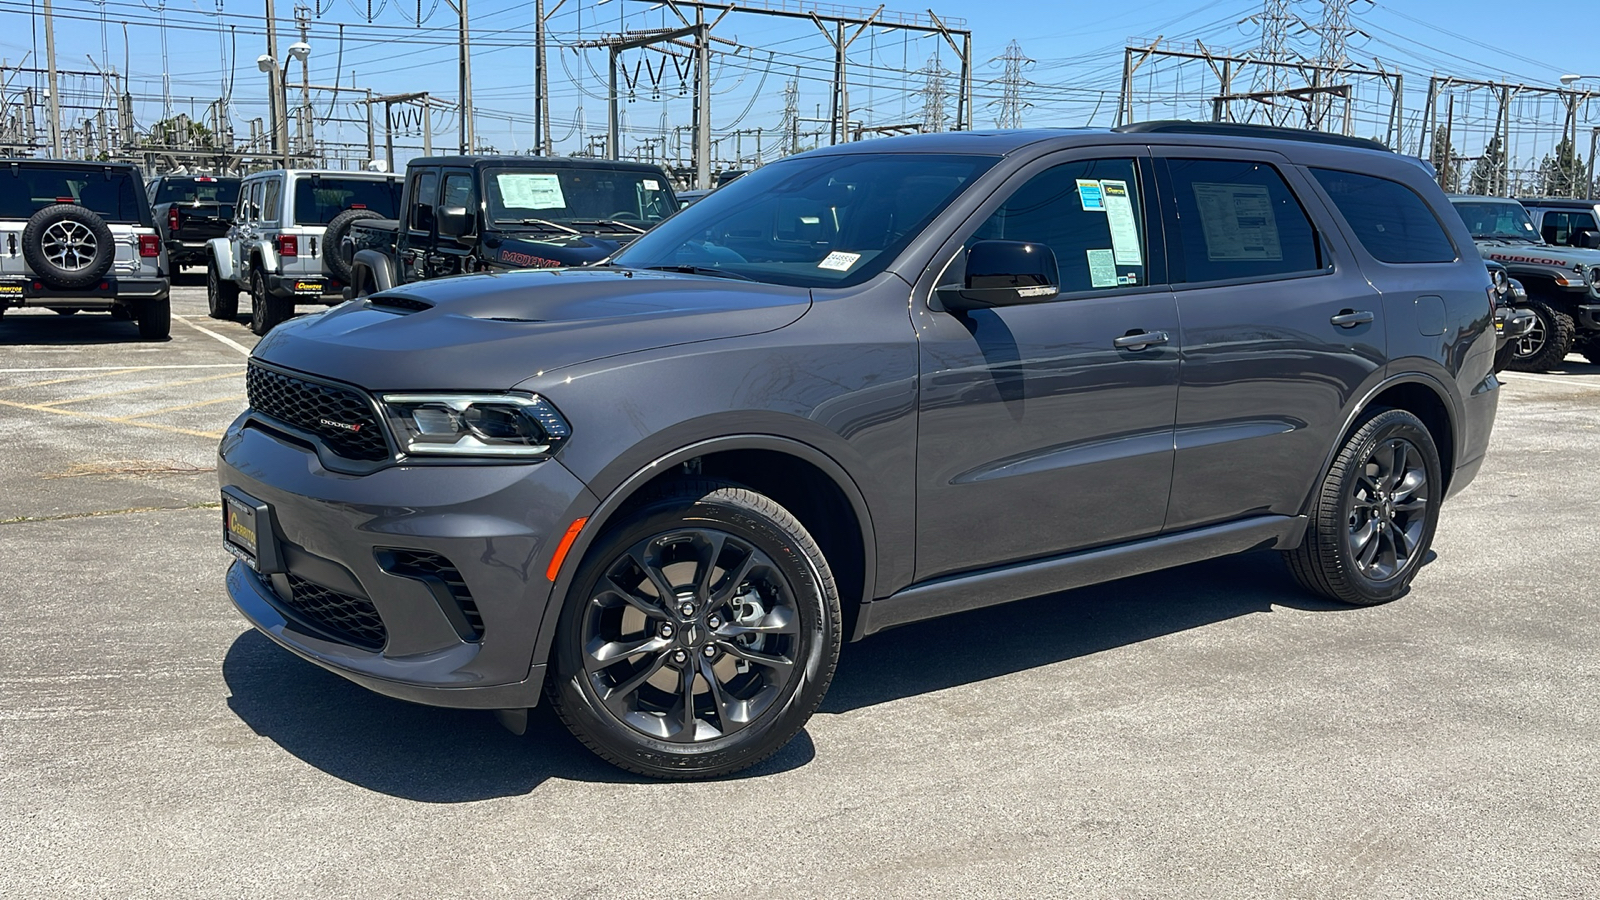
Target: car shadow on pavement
{"x": 407, "y": 750}
{"x": 1001, "y": 640}
{"x": 52, "y": 330}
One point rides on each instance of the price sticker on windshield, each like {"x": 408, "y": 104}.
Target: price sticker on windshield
{"x": 839, "y": 261}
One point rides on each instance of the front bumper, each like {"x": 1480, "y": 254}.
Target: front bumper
{"x": 1589, "y": 316}
{"x": 1512, "y": 322}
{"x": 497, "y": 524}
{"x": 182, "y": 252}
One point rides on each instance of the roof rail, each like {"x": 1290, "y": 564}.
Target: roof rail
{"x": 1236, "y": 129}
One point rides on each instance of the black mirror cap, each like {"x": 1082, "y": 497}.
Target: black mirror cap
{"x": 1005, "y": 273}
{"x": 1587, "y": 240}
{"x": 454, "y": 221}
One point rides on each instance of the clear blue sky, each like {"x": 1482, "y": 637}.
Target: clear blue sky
{"x": 1074, "y": 79}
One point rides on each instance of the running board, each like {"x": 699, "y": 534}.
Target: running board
{"x": 988, "y": 587}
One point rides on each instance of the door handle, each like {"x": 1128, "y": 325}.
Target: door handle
{"x": 1349, "y": 318}
{"x": 1138, "y": 340}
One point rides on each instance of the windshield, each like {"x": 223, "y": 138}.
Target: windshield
{"x": 1497, "y": 220}
{"x": 826, "y": 221}
{"x": 200, "y": 189}
{"x": 586, "y": 198}
{"x": 24, "y": 190}
{"x": 318, "y": 198}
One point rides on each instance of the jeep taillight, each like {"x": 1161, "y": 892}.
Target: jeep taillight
{"x": 172, "y": 218}
{"x": 149, "y": 245}
{"x": 288, "y": 245}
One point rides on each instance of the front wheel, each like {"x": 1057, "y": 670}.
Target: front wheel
{"x": 1373, "y": 517}
{"x": 1547, "y": 344}
{"x": 699, "y": 635}
{"x": 267, "y": 311}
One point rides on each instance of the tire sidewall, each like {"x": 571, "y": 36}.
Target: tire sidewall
{"x": 33, "y": 247}
{"x": 259, "y": 314}
{"x": 816, "y": 601}
{"x": 1383, "y": 427}
{"x": 333, "y": 241}
{"x": 1558, "y": 339}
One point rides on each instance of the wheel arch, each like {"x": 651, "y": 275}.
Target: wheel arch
{"x": 1421, "y": 395}
{"x": 813, "y": 486}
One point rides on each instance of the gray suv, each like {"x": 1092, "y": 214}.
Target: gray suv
{"x": 861, "y": 387}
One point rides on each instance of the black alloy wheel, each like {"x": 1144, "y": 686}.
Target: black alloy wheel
{"x": 222, "y": 298}
{"x": 1547, "y": 343}
{"x": 699, "y": 636}
{"x": 1373, "y": 518}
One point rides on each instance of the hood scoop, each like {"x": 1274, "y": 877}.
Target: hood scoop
{"x": 399, "y": 304}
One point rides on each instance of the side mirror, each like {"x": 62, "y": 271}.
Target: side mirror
{"x": 1004, "y": 273}
{"x": 1587, "y": 240}
{"x": 454, "y": 221}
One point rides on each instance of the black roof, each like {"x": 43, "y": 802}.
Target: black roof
{"x": 541, "y": 161}
{"x": 1558, "y": 202}
{"x": 69, "y": 163}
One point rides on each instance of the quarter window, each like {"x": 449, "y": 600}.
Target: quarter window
{"x": 1239, "y": 220}
{"x": 1562, "y": 228}
{"x": 1089, "y": 213}
{"x": 423, "y": 188}
{"x": 269, "y": 204}
{"x": 1389, "y": 219}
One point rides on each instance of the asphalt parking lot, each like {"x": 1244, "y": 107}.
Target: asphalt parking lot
{"x": 1203, "y": 732}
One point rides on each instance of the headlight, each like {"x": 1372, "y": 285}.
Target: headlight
{"x": 1501, "y": 282}
{"x": 491, "y": 425}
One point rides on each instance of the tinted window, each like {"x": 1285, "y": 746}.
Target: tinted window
{"x": 1089, "y": 213}
{"x": 1496, "y": 219}
{"x": 571, "y": 194}
{"x": 1389, "y": 219}
{"x": 24, "y": 190}
{"x": 198, "y": 190}
{"x": 424, "y": 190}
{"x": 318, "y": 198}
{"x": 271, "y": 201}
{"x": 1240, "y": 220}
{"x": 823, "y": 221}
{"x": 1564, "y": 227}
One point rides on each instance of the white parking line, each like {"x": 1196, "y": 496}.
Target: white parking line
{"x": 226, "y": 340}
{"x": 1514, "y": 377}
{"x": 116, "y": 368}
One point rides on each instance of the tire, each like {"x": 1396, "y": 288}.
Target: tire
{"x": 67, "y": 247}
{"x": 154, "y": 318}
{"x": 1551, "y": 339}
{"x": 266, "y": 311}
{"x": 222, "y": 298}
{"x": 67, "y": 311}
{"x": 333, "y": 241}
{"x": 1359, "y": 488}
{"x": 778, "y": 618}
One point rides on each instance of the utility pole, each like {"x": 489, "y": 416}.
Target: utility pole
{"x": 55, "y": 90}
{"x": 275, "y": 93}
{"x": 702, "y": 105}
{"x": 302, "y": 18}
{"x": 469, "y": 140}
{"x": 541, "y": 79}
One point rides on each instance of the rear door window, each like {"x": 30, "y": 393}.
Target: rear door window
{"x": 271, "y": 200}
{"x": 1389, "y": 219}
{"x": 424, "y": 191}
{"x": 1238, "y": 220}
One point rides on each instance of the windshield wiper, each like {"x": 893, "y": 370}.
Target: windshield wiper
{"x": 700, "y": 270}
{"x": 609, "y": 223}
{"x": 553, "y": 226}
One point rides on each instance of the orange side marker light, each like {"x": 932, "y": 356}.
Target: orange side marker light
{"x": 563, "y": 547}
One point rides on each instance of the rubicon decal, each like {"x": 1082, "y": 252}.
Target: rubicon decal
{"x": 342, "y": 426}
{"x": 1535, "y": 260}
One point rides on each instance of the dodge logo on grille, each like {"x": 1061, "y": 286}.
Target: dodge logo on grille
{"x": 342, "y": 426}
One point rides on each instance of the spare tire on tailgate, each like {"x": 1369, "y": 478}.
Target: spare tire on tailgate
{"x": 67, "y": 246}
{"x": 333, "y": 248}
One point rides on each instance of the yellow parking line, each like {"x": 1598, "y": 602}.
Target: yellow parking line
{"x": 234, "y": 399}
{"x": 137, "y": 390}
{"x": 83, "y": 415}
{"x": 12, "y": 387}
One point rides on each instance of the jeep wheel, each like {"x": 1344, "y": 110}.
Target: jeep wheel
{"x": 222, "y": 298}
{"x": 1547, "y": 343}
{"x": 154, "y": 318}
{"x": 67, "y": 247}
{"x": 1373, "y": 517}
{"x": 699, "y": 635}
{"x": 267, "y": 311}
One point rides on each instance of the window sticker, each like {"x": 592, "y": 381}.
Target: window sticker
{"x": 1090, "y": 195}
{"x": 1102, "y": 268}
{"x": 650, "y": 184}
{"x": 839, "y": 261}
{"x": 530, "y": 190}
{"x": 1237, "y": 221}
{"x": 1124, "y": 230}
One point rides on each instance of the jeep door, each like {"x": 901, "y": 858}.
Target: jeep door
{"x": 1038, "y": 433}
{"x": 1280, "y": 331}
{"x": 417, "y": 225}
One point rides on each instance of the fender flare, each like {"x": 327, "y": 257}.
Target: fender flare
{"x": 221, "y": 251}
{"x": 601, "y": 516}
{"x": 263, "y": 254}
{"x": 375, "y": 262}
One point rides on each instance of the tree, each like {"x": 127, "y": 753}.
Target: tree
{"x": 1443, "y": 158}
{"x": 1561, "y": 175}
{"x": 180, "y": 131}
{"x": 1486, "y": 172}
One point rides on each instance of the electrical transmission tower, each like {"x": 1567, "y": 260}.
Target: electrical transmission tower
{"x": 1276, "y": 20}
{"x": 1333, "y": 56}
{"x": 934, "y": 96}
{"x": 791, "y": 115}
{"x": 1011, "y": 84}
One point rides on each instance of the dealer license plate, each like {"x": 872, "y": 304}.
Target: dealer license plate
{"x": 239, "y": 531}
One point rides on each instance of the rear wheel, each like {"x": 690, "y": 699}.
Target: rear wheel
{"x": 154, "y": 318}
{"x": 267, "y": 311}
{"x": 1546, "y": 344}
{"x": 222, "y": 298}
{"x": 699, "y": 635}
{"x": 1373, "y": 518}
